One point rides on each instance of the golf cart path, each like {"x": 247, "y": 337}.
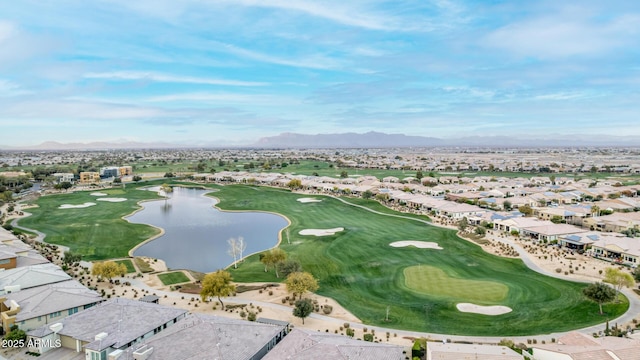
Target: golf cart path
{"x": 628, "y": 316}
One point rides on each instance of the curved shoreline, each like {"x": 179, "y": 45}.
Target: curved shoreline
{"x": 257, "y": 211}
{"x": 209, "y": 191}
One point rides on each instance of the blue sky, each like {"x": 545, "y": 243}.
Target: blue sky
{"x": 228, "y": 72}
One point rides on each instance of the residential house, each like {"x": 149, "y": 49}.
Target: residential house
{"x": 38, "y": 306}
{"x": 517, "y": 224}
{"x": 616, "y": 222}
{"x": 617, "y": 248}
{"x": 200, "y": 336}
{"x": 449, "y": 351}
{"x": 578, "y": 346}
{"x": 28, "y": 277}
{"x": 549, "y": 232}
{"x": 580, "y": 241}
{"x": 312, "y": 345}
{"x": 105, "y": 329}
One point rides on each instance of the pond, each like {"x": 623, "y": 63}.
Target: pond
{"x": 196, "y": 232}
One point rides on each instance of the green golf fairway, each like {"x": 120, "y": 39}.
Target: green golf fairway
{"x": 357, "y": 267}
{"x": 96, "y": 232}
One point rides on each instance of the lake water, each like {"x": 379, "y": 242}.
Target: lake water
{"x": 196, "y": 233}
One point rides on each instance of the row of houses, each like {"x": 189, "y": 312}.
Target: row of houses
{"x": 550, "y": 224}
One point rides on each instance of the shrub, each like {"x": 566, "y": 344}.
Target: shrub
{"x": 350, "y": 332}
{"x": 558, "y": 270}
{"x": 368, "y": 337}
{"x": 251, "y": 316}
{"x": 327, "y": 309}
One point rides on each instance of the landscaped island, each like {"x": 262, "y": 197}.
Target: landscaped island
{"x": 357, "y": 266}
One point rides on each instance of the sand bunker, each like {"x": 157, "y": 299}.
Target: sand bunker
{"x": 308, "y": 200}
{"x": 98, "y": 194}
{"x": 112, "y": 199}
{"x": 320, "y": 232}
{"x": 418, "y": 244}
{"x": 69, "y": 206}
{"x": 484, "y": 310}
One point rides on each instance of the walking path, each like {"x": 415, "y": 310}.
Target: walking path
{"x": 634, "y": 300}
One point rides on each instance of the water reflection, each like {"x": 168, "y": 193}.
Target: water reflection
{"x": 196, "y": 233}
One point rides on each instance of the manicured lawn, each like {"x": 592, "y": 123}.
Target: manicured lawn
{"x": 171, "y": 278}
{"x": 128, "y": 264}
{"x": 434, "y": 281}
{"x": 359, "y": 269}
{"x": 97, "y": 232}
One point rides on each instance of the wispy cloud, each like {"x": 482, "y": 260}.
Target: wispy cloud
{"x": 337, "y": 12}
{"x": 306, "y": 61}
{"x": 565, "y": 34}
{"x": 158, "y": 77}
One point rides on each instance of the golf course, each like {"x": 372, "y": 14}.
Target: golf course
{"x": 356, "y": 266}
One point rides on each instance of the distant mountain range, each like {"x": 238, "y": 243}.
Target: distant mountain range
{"x": 355, "y": 140}
{"x": 382, "y": 140}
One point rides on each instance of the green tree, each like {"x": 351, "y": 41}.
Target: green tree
{"x": 65, "y": 185}
{"x": 217, "y": 284}
{"x": 507, "y": 205}
{"x": 600, "y": 293}
{"x": 273, "y": 257}
{"x": 117, "y": 180}
{"x": 303, "y": 308}
{"x": 16, "y": 334}
{"x": 636, "y": 274}
{"x": 344, "y": 174}
{"x": 294, "y": 184}
{"x": 367, "y": 194}
{"x": 462, "y": 224}
{"x": 71, "y": 257}
{"x": 557, "y": 219}
{"x": 526, "y": 210}
{"x": 419, "y": 175}
{"x": 108, "y": 269}
{"x": 300, "y": 282}
{"x": 168, "y": 174}
{"x": 289, "y": 266}
{"x": 618, "y": 278}
{"x": 137, "y": 178}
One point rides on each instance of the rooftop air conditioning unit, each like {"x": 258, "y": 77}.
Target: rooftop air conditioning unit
{"x": 56, "y": 327}
{"x": 101, "y": 336}
{"x": 142, "y": 353}
{"x": 115, "y": 355}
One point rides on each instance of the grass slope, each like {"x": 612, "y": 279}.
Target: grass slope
{"x": 359, "y": 269}
{"x": 171, "y": 278}
{"x": 97, "y": 232}
{"x": 128, "y": 264}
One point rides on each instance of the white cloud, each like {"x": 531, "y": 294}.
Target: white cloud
{"x": 7, "y": 30}
{"x": 564, "y": 35}
{"x": 227, "y": 98}
{"x": 311, "y": 62}
{"x": 335, "y": 12}
{"x": 157, "y": 77}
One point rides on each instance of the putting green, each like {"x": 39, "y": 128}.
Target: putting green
{"x": 434, "y": 281}
{"x": 357, "y": 267}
